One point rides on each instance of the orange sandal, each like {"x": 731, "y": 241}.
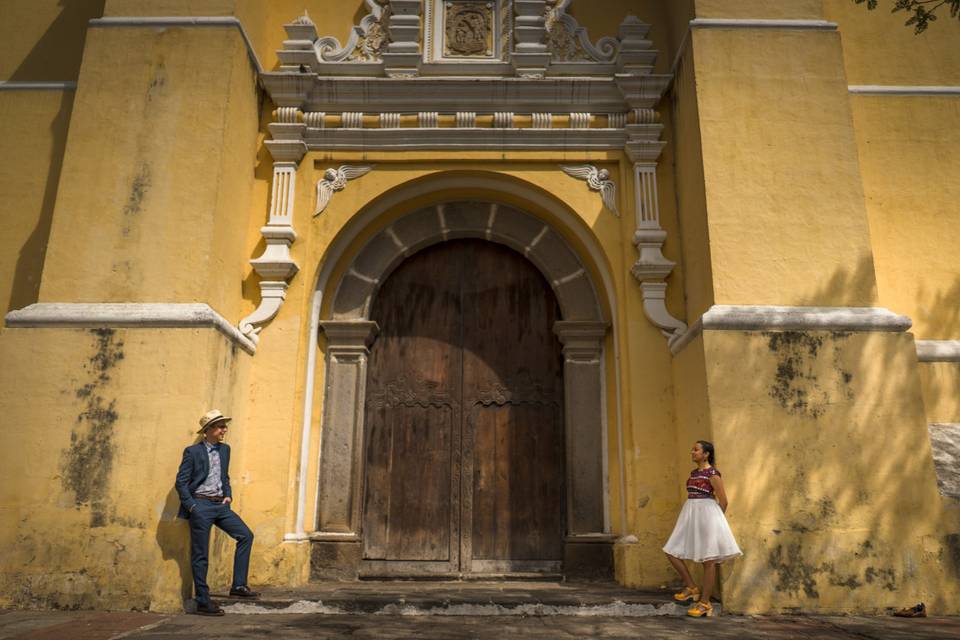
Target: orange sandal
{"x": 687, "y": 595}
{"x": 701, "y": 610}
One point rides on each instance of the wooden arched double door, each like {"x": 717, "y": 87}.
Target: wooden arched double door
{"x": 464, "y": 455}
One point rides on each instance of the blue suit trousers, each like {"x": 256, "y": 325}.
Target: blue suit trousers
{"x": 204, "y": 516}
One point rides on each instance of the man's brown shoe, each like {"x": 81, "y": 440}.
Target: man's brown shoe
{"x": 208, "y": 609}
{"x": 243, "y": 592}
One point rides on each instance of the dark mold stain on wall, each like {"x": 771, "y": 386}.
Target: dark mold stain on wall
{"x": 797, "y": 386}
{"x": 794, "y": 574}
{"x": 87, "y": 463}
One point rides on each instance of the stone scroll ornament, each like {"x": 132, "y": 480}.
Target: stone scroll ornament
{"x": 597, "y": 180}
{"x": 366, "y": 41}
{"x": 336, "y": 180}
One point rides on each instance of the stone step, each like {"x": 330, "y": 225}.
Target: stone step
{"x": 474, "y": 598}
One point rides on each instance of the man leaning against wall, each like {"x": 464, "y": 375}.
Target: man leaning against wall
{"x": 203, "y": 484}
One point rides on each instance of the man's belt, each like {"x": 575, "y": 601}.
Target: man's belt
{"x": 210, "y": 498}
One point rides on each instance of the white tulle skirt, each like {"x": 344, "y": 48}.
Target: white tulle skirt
{"x": 702, "y": 533}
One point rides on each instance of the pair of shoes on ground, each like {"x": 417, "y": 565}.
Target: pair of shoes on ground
{"x": 688, "y": 595}
{"x": 916, "y": 611}
{"x": 211, "y": 608}
{"x": 700, "y": 609}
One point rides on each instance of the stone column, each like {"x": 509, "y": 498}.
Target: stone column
{"x": 588, "y": 548}
{"x": 338, "y": 513}
{"x": 582, "y": 404}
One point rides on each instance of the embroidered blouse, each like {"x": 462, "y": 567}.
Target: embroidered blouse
{"x": 698, "y": 484}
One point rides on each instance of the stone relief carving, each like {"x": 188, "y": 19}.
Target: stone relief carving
{"x": 366, "y": 42}
{"x": 569, "y": 42}
{"x": 468, "y": 27}
{"x": 597, "y": 180}
{"x": 336, "y": 180}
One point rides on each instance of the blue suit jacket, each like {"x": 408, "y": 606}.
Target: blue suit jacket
{"x": 193, "y": 471}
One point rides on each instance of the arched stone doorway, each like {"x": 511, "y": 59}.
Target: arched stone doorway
{"x": 339, "y": 540}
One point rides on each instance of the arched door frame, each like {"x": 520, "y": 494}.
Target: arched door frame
{"x": 349, "y": 333}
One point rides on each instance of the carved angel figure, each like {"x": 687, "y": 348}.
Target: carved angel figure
{"x": 335, "y": 180}
{"x": 597, "y": 180}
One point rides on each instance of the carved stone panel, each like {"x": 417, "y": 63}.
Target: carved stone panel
{"x": 468, "y": 29}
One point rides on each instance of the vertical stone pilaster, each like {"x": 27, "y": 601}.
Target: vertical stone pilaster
{"x": 530, "y": 54}
{"x": 275, "y": 265}
{"x": 402, "y": 57}
{"x": 338, "y": 513}
{"x": 583, "y": 406}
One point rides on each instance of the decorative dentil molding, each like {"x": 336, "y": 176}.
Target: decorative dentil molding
{"x": 336, "y": 180}
{"x": 275, "y": 265}
{"x": 598, "y": 180}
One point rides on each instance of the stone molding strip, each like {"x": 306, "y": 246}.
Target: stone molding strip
{"x": 139, "y": 315}
{"x": 19, "y": 85}
{"x": 759, "y": 23}
{"x": 724, "y": 317}
{"x": 903, "y": 90}
{"x": 182, "y": 21}
{"x": 938, "y": 350}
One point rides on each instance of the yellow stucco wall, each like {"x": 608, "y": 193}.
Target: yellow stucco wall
{"x": 763, "y": 9}
{"x": 43, "y": 39}
{"x": 33, "y": 139}
{"x": 907, "y": 148}
{"x": 787, "y": 222}
{"x": 166, "y": 182}
{"x": 158, "y": 172}
{"x": 826, "y": 457}
{"x": 39, "y": 41}
{"x": 941, "y": 391}
{"x": 101, "y": 417}
{"x": 879, "y": 49}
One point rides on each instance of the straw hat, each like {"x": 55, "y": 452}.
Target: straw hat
{"x": 211, "y": 418}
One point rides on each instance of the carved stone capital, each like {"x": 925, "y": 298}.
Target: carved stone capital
{"x": 349, "y": 336}
{"x": 582, "y": 340}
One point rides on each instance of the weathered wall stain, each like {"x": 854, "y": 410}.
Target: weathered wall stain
{"x": 797, "y": 386}
{"x": 138, "y": 190}
{"x": 86, "y": 464}
{"x": 794, "y": 574}
{"x": 887, "y": 578}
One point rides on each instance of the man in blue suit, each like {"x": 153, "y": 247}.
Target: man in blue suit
{"x": 203, "y": 483}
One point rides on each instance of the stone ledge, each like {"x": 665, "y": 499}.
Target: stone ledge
{"x": 138, "y": 315}
{"x": 938, "y": 350}
{"x": 723, "y": 317}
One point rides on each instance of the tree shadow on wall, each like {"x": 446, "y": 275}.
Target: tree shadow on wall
{"x": 835, "y": 481}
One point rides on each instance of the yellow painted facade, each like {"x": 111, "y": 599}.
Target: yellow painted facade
{"x": 149, "y": 182}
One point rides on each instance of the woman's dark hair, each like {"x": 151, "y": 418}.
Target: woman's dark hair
{"x": 707, "y": 449}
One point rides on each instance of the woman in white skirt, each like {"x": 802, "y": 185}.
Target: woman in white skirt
{"x": 702, "y": 533}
